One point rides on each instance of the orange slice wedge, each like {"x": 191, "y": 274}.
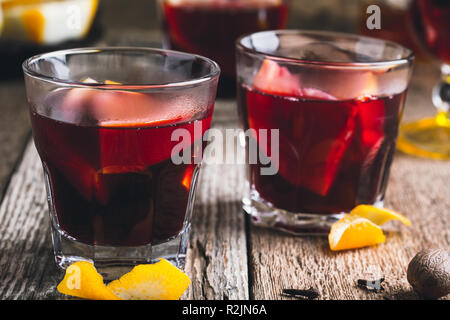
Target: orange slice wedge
{"x": 111, "y": 82}
{"x": 158, "y": 281}
{"x": 47, "y": 22}
{"x": 379, "y": 216}
{"x": 353, "y": 232}
{"x": 82, "y": 280}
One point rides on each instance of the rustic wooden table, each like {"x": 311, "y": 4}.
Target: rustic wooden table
{"x": 228, "y": 258}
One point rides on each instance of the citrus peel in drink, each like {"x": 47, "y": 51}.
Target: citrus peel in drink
{"x": 158, "y": 281}
{"x": 361, "y": 228}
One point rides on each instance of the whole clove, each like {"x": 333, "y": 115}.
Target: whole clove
{"x": 371, "y": 285}
{"x": 308, "y": 294}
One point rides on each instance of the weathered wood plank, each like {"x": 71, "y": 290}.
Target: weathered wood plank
{"x": 417, "y": 187}
{"x": 26, "y": 256}
{"x": 14, "y": 127}
{"x": 217, "y": 256}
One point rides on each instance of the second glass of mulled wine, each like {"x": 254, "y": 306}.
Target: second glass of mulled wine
{"x": 320, "y": 113}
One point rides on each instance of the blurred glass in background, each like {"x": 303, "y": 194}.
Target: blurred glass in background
{"x": 397, "y": 23}
{"x": 430, "y": 137}
{"x": 211, "y": 27}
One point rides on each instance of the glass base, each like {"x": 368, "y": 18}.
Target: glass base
{"x": 263, "y": 214}
{"x": 428, "y": 138}
{"x": 113, "y": 262}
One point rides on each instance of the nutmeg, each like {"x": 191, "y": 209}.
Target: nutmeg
{"x": 429, "y": 273}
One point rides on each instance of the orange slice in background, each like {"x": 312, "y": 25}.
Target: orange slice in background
{"x": 158, "y": 281}
{"x": 353, "y": 232}
{"x": 82, "y": 280}
{"x": 47, "y": 22}
{"x": 378, "y": 216}
{"x": 111, "y": 82}
{"x": 1, "y": 20}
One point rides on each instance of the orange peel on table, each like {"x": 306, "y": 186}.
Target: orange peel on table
{"x": 378, "y": 216}
{"x": 83, "y": 281}
{"x": 361, "y": 227}
{"x": 158, "y": 281}
{"x": 353, "y": 232}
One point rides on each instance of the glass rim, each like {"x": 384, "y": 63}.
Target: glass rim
{"x": 213, "y": 74}
{"x": 408, "y": 57}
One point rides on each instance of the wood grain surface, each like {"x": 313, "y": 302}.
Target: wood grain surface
{"x": 14, "y": 127}
{"x": 28, "y": 270}
{"x": 217, "y": 255}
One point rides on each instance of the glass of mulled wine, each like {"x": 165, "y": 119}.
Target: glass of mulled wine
{"x": 430, "y": 137}
{"x": 320, "y": 113}
{"x": 211, "y": 27}
{"x": 106, "y": 124}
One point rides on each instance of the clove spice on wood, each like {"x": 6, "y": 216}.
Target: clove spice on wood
{"x": 308, "y": 294}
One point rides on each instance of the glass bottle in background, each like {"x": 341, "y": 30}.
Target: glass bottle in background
{"x": 211, "y": 27}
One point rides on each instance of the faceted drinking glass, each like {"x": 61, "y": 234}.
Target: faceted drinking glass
{"x": 320, "y": 113}
{"x": 107, "y": 124}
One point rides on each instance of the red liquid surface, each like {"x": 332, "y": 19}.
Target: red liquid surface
{"x": 333, "y": 155}
{"x": 434, "y": 26}
{"x": 116, "y": 185}
{"x": 210, "y": 28}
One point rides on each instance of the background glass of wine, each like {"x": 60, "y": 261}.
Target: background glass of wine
{"x": 430, "y": 137}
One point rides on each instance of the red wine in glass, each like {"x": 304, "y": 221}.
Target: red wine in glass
{"x": 333, "y": 153}
{"x": 114, "y": 183}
